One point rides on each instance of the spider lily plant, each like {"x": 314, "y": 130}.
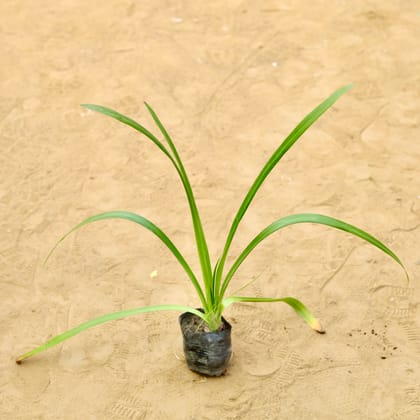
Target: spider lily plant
{"x": 213, "y": 283}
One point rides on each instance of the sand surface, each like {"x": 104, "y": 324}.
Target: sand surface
{"x": 230, "y": 80}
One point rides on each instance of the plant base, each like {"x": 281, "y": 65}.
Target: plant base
{"x": 206, "y": 352}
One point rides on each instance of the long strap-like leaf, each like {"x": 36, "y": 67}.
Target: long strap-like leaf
{"x": 297, "y": 305}
{"x": 131, "y": 123}
{"x": 201, "y": 242}
{"x": 274, "y": 159}
{"x": 149, "y": 226}
{"x": 202, "y": 248}
{"x": 105, "y": 318}
{"x": 305, "y": 218}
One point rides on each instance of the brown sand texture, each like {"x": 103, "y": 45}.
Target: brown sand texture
{"x": 230, "y": 80}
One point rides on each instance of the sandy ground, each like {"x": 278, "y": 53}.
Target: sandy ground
{"x": 230, "y": 80}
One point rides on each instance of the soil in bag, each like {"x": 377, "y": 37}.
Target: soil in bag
{"x": 206, "y": 352}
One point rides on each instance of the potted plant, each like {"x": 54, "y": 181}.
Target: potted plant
{"x": 206, "y": 334}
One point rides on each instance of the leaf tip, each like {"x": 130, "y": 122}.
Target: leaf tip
{"x": 91, "y": 107}
{"x": 148, "y": 107}
{"x": 316, "y": 325}
{"x": 407, "y": 276}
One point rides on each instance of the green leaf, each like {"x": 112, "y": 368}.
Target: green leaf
{"x": 297, "y": 305}
{"x": 201, "y": 242}
{"x": 149, "y": 226}
{"x": 105, "y": 318}
{"x": 130, "y": 122}
{"x": 271, "y": 163}
{"x": 306, "y": 218}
